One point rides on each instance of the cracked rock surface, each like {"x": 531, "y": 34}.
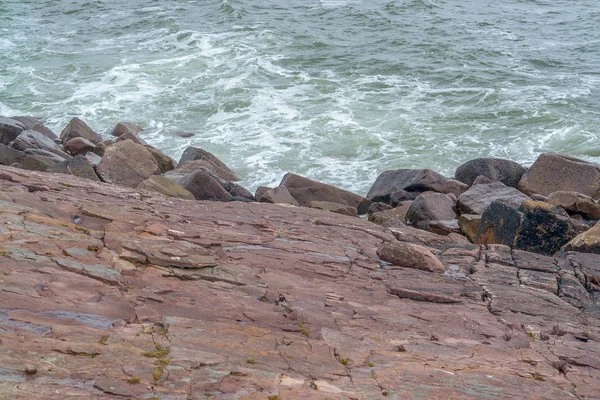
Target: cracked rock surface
{"x": 108, "y": 292}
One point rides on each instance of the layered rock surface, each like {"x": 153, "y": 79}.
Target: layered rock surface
{"x": 107, "y": 292}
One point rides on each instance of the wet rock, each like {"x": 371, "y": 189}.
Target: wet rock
{"x": 9, "y": 130}
{"x": 496, "y": 169}
{"x": 9, "y": 156}
{"x": 79, "y": 145}
{"x": 534, "y": 226}
{"x": 260, "y": 191}
{"x": 412, "y": 180}
{"x": 35, "y": 140}
{"x": 127, "y": 164}
{"x": 78, "y": 128}
{"x": 78, "y": 166}
{"x": 334, "y": 207}
{"x": 165, "y": 163}
{"x": 217, "y": 166}
{"x": 553, "y": 172}
{"x": 576, "y": 203}
{"x": 410, "y": 255}
{"x": 204, "y": 187}
{"x": 305, "y": 190}
{"x": 391, "y": 218}
{"x": 278, "y": 195}
{"x": 479, "y": 197}
{"x": 165, "y": 186}
{"x": 430, "y": 207}
{"x": 469, "y": 225}
{"x": 126, "y": 127}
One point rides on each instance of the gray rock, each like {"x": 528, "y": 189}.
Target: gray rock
{"x": 497, "y": 169}
{"x": 219, "y": 168}
{"x": 29, "y": 139}
{"x": 36, "y": 124}
{"x": 45, "y": 153}
{"x": 9, "y": 155}
{"x": 39, "y": 163}
{"x": 479, "y": 197}
{"x": 133, "y": 137}
{"x": 9, "y": 130}
{"x": 278, "y": 195}
{"x": 78, "y": 128}
{"x": 204, "y": 187}
{"x": 78, "y": 166}
{"x": 260, "y": 191}
{"x": 430, "y": 207}
{"x": 392, "y": 218}
{"x": 127, "y": 164}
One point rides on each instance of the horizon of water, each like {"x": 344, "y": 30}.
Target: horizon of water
{"x": 335, "y": 90}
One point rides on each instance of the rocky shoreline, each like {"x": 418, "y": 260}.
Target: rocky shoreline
{"x": 118, "y": 283}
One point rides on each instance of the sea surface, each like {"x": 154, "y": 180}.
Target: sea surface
{"x": 336, "y": 90}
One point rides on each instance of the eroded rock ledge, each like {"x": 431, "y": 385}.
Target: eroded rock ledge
{"x": 112, "y": 292}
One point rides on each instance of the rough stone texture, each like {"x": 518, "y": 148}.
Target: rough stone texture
{"x": 102, "y": 284}
{"x": 126, "y": 127}
{"x": 534, "y": 226}
{"x": 204, "y": 186}
{"x": 133, "y": 137}
{"x": 35, "y": 124}
{"x": 127, "y": 164}
{"x": 556, "y": 172}
{"x": 218, "y": 167}
{"x": 479, "y": 197}
{"x": 412, "y": 180}
{"x": 29, "y": 139}
{"x": 187, "y": 167}
{"x": 576, "y": 203}
{"x": 585, "y": 242}
{"x": 410, "y": 255}
{"x": 496, "y": 169}
{"x": 305, "y": 190}
{"x": 260, "y": 191}
{"x": 93, "y": 158}
{"x": 165, "y": 163}
{"x": 78, "y": 128}
{"x": 9, "y": 156}
{"x": 378, "y": 207}
{"x": 430, "y": 207}
{"x": 79, "y": 145}
{"x": 9, "y": 130}
{"x": 391, "y": 218}
{"x": 469, "y": 225}
{"x": 444, "y": 227}
{"x": 165, "y": 186}
{"x": 40, "y": 162}
{"x": 334, "y": 207}
{"x": 278, "y": 195}
{"x": 101, "y": 147}
{"x": 78, "y": 166}
{"x": 400, "y": 196}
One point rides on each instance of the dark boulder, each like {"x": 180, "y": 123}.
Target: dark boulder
{"x": 430, "y": 207}
{"x": 469, "y": 225}
{"x": 204, "y": 186}
{"x": 78, "y": 166}
{"x": 378, "y": 207}
{"x": 126, "y": 127}
{"x": 127, "y": 164}
{"x": 278, "y": 195}
{"x": 218, "y": 167}
{"x": 79, "y": 145}
{"x": 479, "y": 197}
{"x": 165, "y": 163}
{"x": 45, "y": 153}
{"x": 29, "y": 139}
{"x": 36, "y": 124}
{"x": 9, "y": 130}
{"x": 497, "y": 169}
{"x": 9, "y": 156}
{"x": 553, "y": 172}
{"x": 101, "y": 148}
{"x": 133, "y": 137}
{"x": 392, "y": 218}
{"x": 78, "y": 128}
{"x": 533, "y": 226}
{"x": 260, "y": 191}
{"x": 39, "y": 162}
{"x": 402, "y": 196}
{"x": 444, "y": 227}
{"x": 305, "y": 190}
{"x": 187, "y": 167}
{"x": 412, "y": 180}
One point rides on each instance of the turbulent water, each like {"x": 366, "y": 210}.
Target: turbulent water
{"x": 337, "y": 90}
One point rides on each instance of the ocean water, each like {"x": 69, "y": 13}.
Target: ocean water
{"x": 336, "y": 90}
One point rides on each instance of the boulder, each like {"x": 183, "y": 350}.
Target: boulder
{"x": 133, "y": 137}
{"x": 430, "y": 207}
{"x": 79, "y": 145}
{"x": 165, "y": 163}
{"x": 278, "y": 195}
{"x": 410, "y": 255}
{"x": 334, "y": 207}
{"x": 378, "y": 207}
{"x": 553, "y": 172}
{"x": 305, "y": 190}
{"x": 260, "y": 191}
{"x": 469, "y": 225}
{"x": 127, "y": 164}
{"x": 78, "y": 166}
{"x": 126, "y": 127}
{"x": 479, "y": 197}
{"x": 9, "y": 156}
{"x": 78, "y": 128}
{"x": 36, "y": 124}
{"x": 204, "y": 187}
{"x": 101, "y": 148}
{"x": 481, "y": 179}
{"x": 93, "y": 158}
{"x": 166, "y": 186}
{"x": 45, "y": 153}
{"x": 576, "y": 203}
{"x": 187, "y": 167}
{"x": 9, "y": 130}
{"x": 238, "y": 192}
{"x": 402, "y": 196}
{"x": 29, "y": 139}
{"x": 412, "y": 180}
{"x": 585, "y": 242}
{"x": 444, "y": 227}
{"x": 391, "y": 218}
{"x": 534, "y": 226}
{"x": 218, "y": 167}
{"x": 497, "y": 169}
{"x": 39, "y": 162}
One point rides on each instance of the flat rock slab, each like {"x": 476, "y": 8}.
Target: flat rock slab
{"x": 103, "y": 295}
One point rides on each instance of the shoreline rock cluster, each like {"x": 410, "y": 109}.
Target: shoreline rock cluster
{"x": 549, "y": 208}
